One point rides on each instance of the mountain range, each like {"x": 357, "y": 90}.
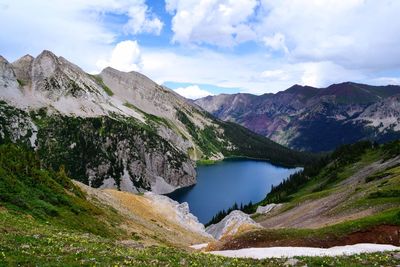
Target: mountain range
{"x": 314, "y": 119}
{"x": 64, "y": 131}
{"x": 117, "y": 129}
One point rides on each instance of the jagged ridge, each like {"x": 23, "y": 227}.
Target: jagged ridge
{"x": 315, "y": 119}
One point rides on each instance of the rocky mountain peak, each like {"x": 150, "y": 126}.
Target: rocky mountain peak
{"x": 301, "y": 89}
{"x": 27, "y": 57}
{"x": 23, "y": 69}
{"x": 148, "y": 95}
{"x": 44, "y": 65}
{"x": 7, "y": 75}
{"x": 3, "y": 60}
{"x": 132, "y": 78}
{"x": 316, "y": 119}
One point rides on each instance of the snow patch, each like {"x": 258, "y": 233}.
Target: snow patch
{"x": 287, "y": 252}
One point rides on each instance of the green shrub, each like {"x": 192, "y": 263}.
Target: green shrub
{"x": 385, "y": 193}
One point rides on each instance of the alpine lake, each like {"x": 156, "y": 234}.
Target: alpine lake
{"x": 221, "y": 185}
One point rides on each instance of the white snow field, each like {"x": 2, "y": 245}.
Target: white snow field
{"x": 287, "y": 252}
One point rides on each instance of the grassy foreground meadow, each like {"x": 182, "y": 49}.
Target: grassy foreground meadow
{"x": 45, "y": 220}
{"x": 26, "y": 241}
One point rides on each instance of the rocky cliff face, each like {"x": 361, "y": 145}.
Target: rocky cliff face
{"x": 72, "y": 119}
{"x": 116, "y": 129}
{"x": 314, "y": 119}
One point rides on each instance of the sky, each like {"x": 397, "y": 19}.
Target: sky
{"x": 208, "y": 47}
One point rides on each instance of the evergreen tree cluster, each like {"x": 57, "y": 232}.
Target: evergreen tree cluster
{"x": 391, "y": 149}
{"x": 343, "y": 155}
{"x": 249, "y": 208}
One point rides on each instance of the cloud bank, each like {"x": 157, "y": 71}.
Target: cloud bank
{"x": 255, "y": 46}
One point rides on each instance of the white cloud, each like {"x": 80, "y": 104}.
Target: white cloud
{"x": 384, "y": 81}
{"x": 75, "y": 29}
{"x": 192, "y": 92}
{"x": 241, "y": 71}
{"x": 275, "y": 75}
{"x": 321, "y": 74}
{"x": 124, "y": 57}
{"x": 295, "y": 41}
{"x": 141, "y": 20}
{"x": 204, "y": 67}
{"x": 351, "y": 33}
{"x": 320, "y": 41}
{"x": 276, "y": 42}
{"x": 217, "y": 22}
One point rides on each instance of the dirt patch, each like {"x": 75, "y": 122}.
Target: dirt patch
{"x": 145, "y": 222}
{"x": 382, "y": 234}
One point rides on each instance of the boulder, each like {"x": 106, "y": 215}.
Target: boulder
{"x": 267, "y": 208}
{"x": 231, "y": 224}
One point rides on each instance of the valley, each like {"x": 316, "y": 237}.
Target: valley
{"x": 200, "y": 133}
{"x": 45, "y": 219}
{"x": 87, "y": 163}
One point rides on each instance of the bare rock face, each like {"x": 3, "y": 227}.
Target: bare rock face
{"x": 7, "y": 75}
{"x": 267, "y": 208}
{"x": 143, "y": 92}
{"x": 231, "y": 224}
{"x": 23, "y": 69}
{"x": 384, "y": 115}
{"x": 177, "y": 212}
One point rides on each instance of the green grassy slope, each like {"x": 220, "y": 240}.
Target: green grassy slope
{"x": 325, "y": 176}
{"x": 48, "y": 196}
{"x": 351, "y": 196}
{"x": 27, "y": 242}
{"x": 47, "y": 221}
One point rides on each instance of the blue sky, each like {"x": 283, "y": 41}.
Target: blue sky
{"x": 201, "y": 47}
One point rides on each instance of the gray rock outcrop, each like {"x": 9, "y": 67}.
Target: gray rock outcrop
{"x": 267, "y": 208}
{"x": 231, "y": 224}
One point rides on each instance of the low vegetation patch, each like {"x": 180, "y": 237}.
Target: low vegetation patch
{"x": 46, "y": 195}
{"x": 100, "y": 81}
{"x": 21, "y": 82}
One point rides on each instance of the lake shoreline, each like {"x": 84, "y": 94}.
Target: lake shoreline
{"x": 205, "y": 162}
{"x": 232, "y": 180}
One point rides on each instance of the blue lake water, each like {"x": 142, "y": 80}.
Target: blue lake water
{"x": 220, "y": 185}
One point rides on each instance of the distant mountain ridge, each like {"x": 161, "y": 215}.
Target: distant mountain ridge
{"x": 315, "y": 119}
